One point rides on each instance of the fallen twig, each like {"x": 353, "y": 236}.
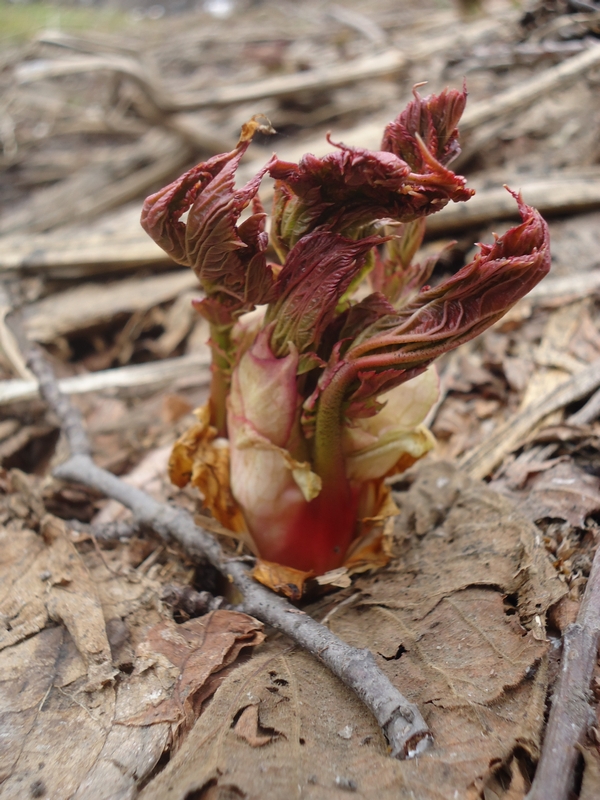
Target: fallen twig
{"x": 524, "y": 93}
{"x": 571, "y": 715}
{"x": 90, "y": 304}
{"x": 111, "y": 243}
{"x": 484, "y": 120}
{"x": 191, "y": 370}
{"x": 125, "y": 172}
{"x": 70, "y": 417}
{"x": 587, "y": 414}
{"x": 362, "y": 23}
{"x": 400, "y": 720}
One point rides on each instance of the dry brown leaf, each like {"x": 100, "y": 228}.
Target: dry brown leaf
{"x": 284, "y": 580}
{"x": 561, "y": 491}
{"x": 55, "y": 678}
{"x": 60, "y": 678}
{"x": 148, "y": 475}
{"x": 307, "y": 706}
{"x": 507, "y": 781}
{"x": 517, "y": 371}
{"x": 201, "y": 458}
{"x": 590, "y": 787}
{"x": 442, "y": 628}
{"x": 55, "y": 585}
{"x": 196, "y": 654}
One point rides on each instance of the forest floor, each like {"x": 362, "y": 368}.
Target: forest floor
{"x": 115, "y": 683}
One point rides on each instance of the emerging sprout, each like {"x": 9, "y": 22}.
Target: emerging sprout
{"x": 316, "y": 397}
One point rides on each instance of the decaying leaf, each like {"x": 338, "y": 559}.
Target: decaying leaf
{"x": 202, "y": 458}
{"x": 55, "y": 585}
{"x": 248, "y": 727}
{"x": 558, "y": 489}
{"x": 192, "y": 657}
{"x": 456, "y": 622}
{"x": 58, "y": 670}
{"x": 72, "y": 619}
{"x": 286, "y": 580}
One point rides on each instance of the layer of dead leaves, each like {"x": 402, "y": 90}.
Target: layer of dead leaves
{"x": 457, "y": 621}
{"x": 108, "y": 692}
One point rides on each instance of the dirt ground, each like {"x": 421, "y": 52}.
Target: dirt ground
{"x": 117, "y": 683}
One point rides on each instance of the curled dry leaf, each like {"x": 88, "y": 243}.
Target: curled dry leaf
{"x": 201, "y": 458}
{"x": 193, "y": 657}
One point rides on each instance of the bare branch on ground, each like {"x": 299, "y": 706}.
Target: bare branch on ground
{"x": 571, "y": 715}
{"x": 190, "y": 370}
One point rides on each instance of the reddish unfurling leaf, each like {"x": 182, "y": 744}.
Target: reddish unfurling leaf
{"x": 350, "y": 189}
{"x": 317, "y": 272}
{"x": 433, "y": 120}
{"x": 458, "y": 309}
{"x": 229, "y": 259}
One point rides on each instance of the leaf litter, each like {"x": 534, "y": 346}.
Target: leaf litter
{"x": 457, "y": 621}
{"x": 56, "y": 664}
{"x": 86, "y": 645}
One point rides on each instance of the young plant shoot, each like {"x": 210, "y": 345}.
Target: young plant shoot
{"x": 316, "y": 395}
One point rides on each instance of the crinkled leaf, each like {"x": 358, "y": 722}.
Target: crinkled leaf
{"x": 316, "y": 274}
{"x": 351, "y": 188}
{"x": 228, "y": 259}
{"x": 433, "y": 119}
{"x": 461, "y": 307}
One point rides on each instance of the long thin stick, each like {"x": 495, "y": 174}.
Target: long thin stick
{"x": 571, "y": 715}
{"x": 192, "y": 369}
{"x": 400, "y": 720}
{"x": 524, "y": 93}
